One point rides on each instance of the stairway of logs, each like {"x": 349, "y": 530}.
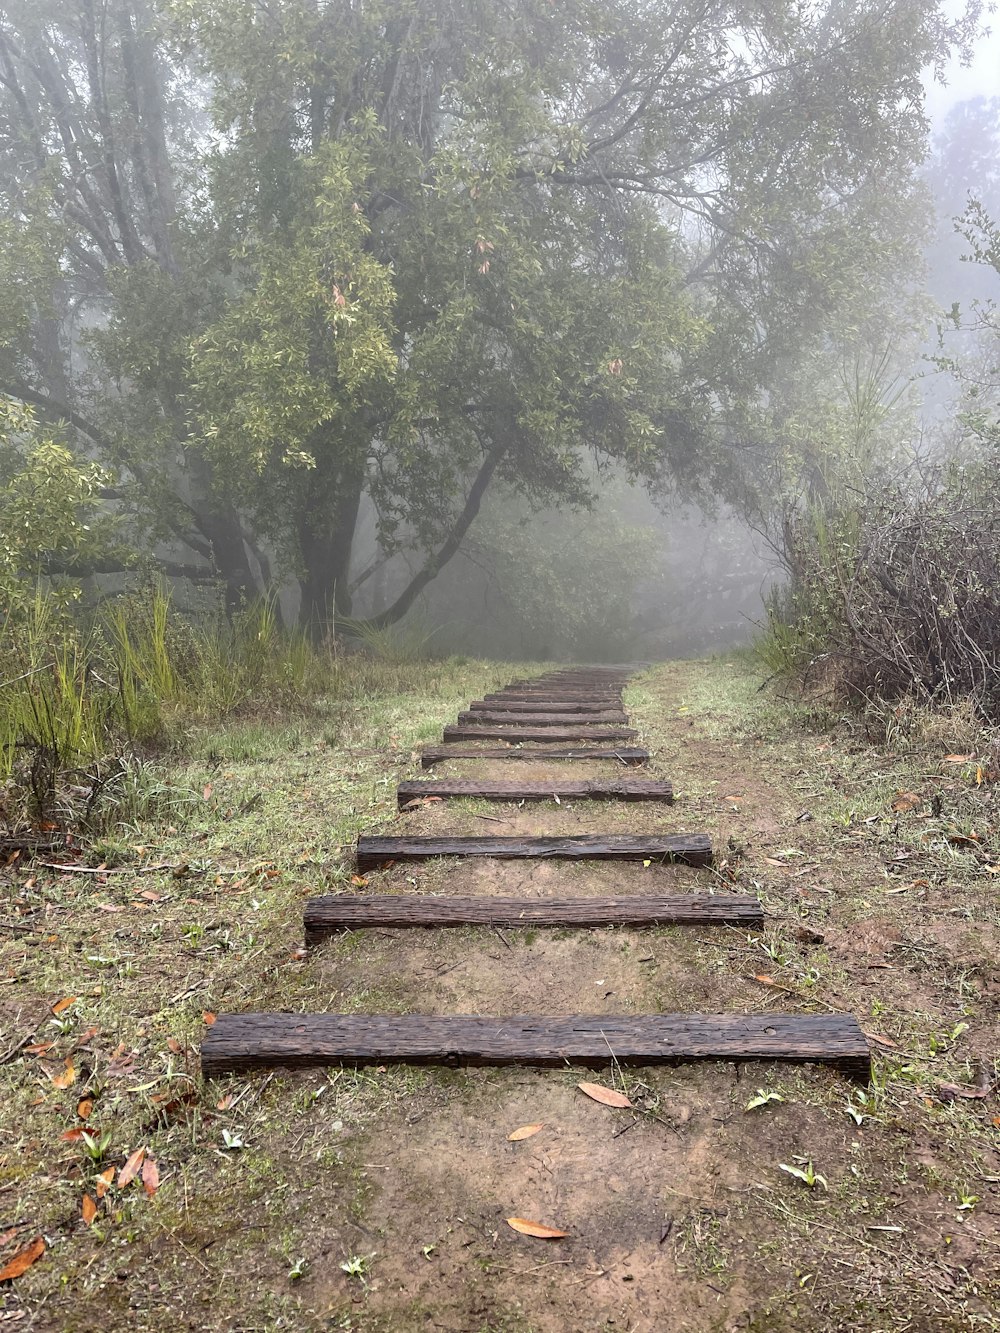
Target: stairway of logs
{"x": 571, "y": 714}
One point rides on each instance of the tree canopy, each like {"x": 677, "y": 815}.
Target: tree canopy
{"x": 267, "y": 261}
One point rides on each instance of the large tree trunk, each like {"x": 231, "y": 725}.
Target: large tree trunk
{"x": 326, "y": 536}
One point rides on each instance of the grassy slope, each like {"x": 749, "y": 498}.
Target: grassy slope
{"x": 885, "y": 913}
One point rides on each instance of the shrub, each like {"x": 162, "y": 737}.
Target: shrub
{"x": 896, "y": 591}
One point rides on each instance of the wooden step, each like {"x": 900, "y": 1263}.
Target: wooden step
{"x": 515, "y": 734}
{"x": 437, "y": 754}
{"x": 336, "y": 912}
{"x": 238, "y": 1043}
{"x": 693, "y": 849}
{"x": 592, "y": 789}
{"x": 502, "y": 719}
{"x": 500, "y": 705}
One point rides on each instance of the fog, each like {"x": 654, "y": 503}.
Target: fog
{"x": 519, "y": 335}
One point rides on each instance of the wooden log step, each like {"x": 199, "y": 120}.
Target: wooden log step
{"x": 501, "y": 718}
{"x": 693, "y": 849}
{"x": 436, "y": 754}
{"x": 594, "y": 789}
{"x": 499, "y": 705}
{"x": 515, "y": 734}
{"x": 336, "y": 912}
{"x": 238, "y": 1043}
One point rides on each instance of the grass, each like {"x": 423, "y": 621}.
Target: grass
{"x": 255, "y": 814}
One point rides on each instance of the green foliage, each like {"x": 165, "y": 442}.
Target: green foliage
{"x": 49, "y": 517}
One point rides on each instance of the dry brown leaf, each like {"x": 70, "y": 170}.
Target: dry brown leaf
{"x": 606, "y": 1096}
{"x": 949, "y": 1091}
{"x": 906, "y": 800}
{"x": 23, "y": 1260}
{"x": 208, "y": 1018}
{"x": 773, "y": 861}
{"x": 67, "y": 1077}
{"x": 104, "y": 1182}
{"x": 206, "y": 791}
{"x": 131, "y": 1168}
{"x": 525, "y": 1132}
{"x": 538, "y": 1229}
{"x": 358, "y": 881}
{"x": 40, "y": 1048}
{"x": 174, "y": 1045}
{"x": 882, "y": 1041}
{"x": 75, "y": 1134}
{"x": 64, "y": 1003}
{"x": 88, "y": 1209}
{"x": 150, "y": 1176}
{"x": 956, "y": 758}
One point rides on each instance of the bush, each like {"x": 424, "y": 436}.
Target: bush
{"x": 897, "y": 592}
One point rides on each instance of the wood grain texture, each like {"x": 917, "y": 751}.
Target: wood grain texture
{"x": 621, "y": 755}
{"x": 593, "y": 789}
{"x": 693, "y": 849}
{"x": 495, "y": 705}
{"x": 238, "y": 1043}
{"x": 533, "y": 733}
{"x": 513, "y": 719}
{"x": 336, "y": 912}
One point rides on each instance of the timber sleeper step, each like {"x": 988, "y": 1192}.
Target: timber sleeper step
{"x": 543, "y": 706}
{"x": 506, "y": 719}
{"x": 594, "y": 789}
{"x": 693, "y": 849}
{"x": 333, "y": 913}
{"x": 238, "y": 1043}
{"x": 534, "y": 733}
{"x": 437, "y": 754}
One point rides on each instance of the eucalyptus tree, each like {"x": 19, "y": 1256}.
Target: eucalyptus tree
{"x": 427, "y": 247}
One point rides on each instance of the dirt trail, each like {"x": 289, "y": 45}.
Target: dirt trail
{"x": 654, "y": 1199}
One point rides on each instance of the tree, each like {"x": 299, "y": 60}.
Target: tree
{"x": 433, "y": 245}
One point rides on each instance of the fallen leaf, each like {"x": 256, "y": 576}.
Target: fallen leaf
{"x": 538, "y": 1229}
{"x": 208, "y": 1018}
{"x": 525, "y": 1132}
{"x": 606, "y": 1096}
{"x": 906, "y": 800}
{"x": 225, "y": 1103}
{"x": 64, "y": 1003}
{"x": 882, "y": 1041}
{"x": 150, "y": 1176}
{"x": 773, "y": 861}
{"x": 174, "y": 1045}
{"x": 40, "y": 1048}
{"x": 358, "y": 881}
{"x": 949, "y": 1091}
{"x": 104, "y": 1182}
{"x": 734, "y": 799}
{"x": 67, "y": 1077}
{"x": 131, "y": 1168}
{"x": 88, "y": 1209}
{"x": 956, "y": 758}
{"x": 206, "y": 791}
{"x": 150, "y": 895}
{"x": 23, "y": 1260}
{"x": 75, "y": 1134}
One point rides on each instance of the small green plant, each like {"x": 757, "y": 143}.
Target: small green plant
{"x": 806, "y": 1172}
{"x": 763, "y": 1096}
{"x": 358, "y": 1265}
{"x": 298, "y": 1269}
{"x": 966, "y": 1202}
{"x": 231, "y": 1142}
{"x": 96, "y": 1146}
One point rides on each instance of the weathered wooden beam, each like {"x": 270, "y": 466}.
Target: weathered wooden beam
{"x": 515, "y": 734}
{"x": 486, "y": 789}
{"x": 694, "y": 849}
{"x": 501, "y": 718}
{"x": 336, "y": 912}
{"x": 438, "y": 754}
{"x": 496, "y": 704}
{"x": 239, "y": 1043}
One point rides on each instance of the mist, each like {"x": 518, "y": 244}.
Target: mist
{"x": 542, "y": 375}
